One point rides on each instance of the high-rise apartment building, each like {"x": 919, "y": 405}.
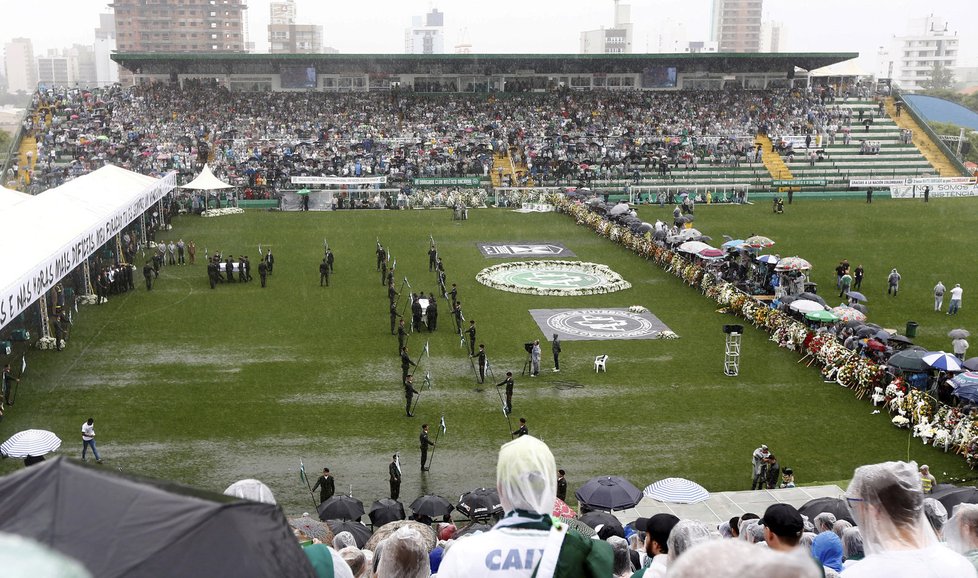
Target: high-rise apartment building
{"x": 180, "y": 25}
{"x": 106, "y": 71}
{"x": 426, "y": 34}
{"x": 614, "y": 40}
{"x": 18, "y": 60}
{"x": 737, "y": 25}
{"x": 928, "y": 43}
{"x": 287, "y": 37}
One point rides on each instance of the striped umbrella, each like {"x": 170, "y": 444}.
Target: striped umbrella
{"x": 676, "y": 491}
{"x": 769, "y": 259}
{"x": 964, "y": 379}
{"x": 942, "y": 361}
{"x": 30, "y": 442}
{"x": 847, "y": 314}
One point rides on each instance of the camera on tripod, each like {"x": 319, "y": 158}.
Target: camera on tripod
{"x": 528, "y": 346}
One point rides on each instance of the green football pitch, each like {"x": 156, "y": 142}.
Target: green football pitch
{"x": 206, "y": 387}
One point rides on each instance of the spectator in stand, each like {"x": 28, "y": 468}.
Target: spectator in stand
{"x": 824, "y": 522}
{"x": 961, "y": 532}
{"x": 888, "y": 504}
{"x": 657, "y": 530}
{"x": 852, "y": 546}
{"x": 685, "y": 535}
{"x": 623, "y": 563}
{"x": 827, "y": 551}
{"x": 936, "y": 515}
{"x": 735, "y": 559}
{"x": 404, "y": 556}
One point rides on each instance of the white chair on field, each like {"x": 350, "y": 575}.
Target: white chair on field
{"x": 599, "y": 363}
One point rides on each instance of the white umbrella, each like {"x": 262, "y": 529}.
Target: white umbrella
{"x": 30, "y": 442}
{"x": 619, "y": 209}
{"x": 250, "y": 489}
{"x": 806, "y": 306}
{"x": 676, "y": 491}
{"x": 693, "y": 246}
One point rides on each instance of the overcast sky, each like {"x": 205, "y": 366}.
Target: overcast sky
{"x": 532, "y": 26}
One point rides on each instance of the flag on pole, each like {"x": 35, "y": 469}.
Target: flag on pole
{"x": 394, "y": 266}
{"x": 302, "y": 472}
{"x": 397, "y": 463}
{"x": 76, "y": 306}
{"x": 426, "y": 349}
{"x": 325, "y": 244}
{"x": 259, "y": 250}
{"x": 408, "y": 283}
{"x": 444, "y": 428}
{"x": 23, "y": 364}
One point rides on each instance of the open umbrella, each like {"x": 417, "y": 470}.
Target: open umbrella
{"x": 806, "y": 306}
{"x": 431, "y": 506}
{"x": 954, "y": 496}
{"x": 693, "y": 247}
{"x": 792, "y": 264}
{"x": 758, "y": 242}
{"x": 967, "y": 392}
{"x": 598, "y": 520}
{"x": 835, "y": 506}
{"x": 341, "y": 508}
{"x": 942, "y": 361}
{"x": 30, "y": 442}
{"x": 313, "y": 528}
{"x": 768, "y": 259}
{"x": 822, "y": 316}
{"x": 480, "y": 503}
{"x": 251, "y": 490}
{"x": 676, "y": 491}
{"x": 732, "y": 245}
{"x": 847, "y": 314}
{"x": 959, "y": 334}
{"x": 908, "y": 360}
{"x": 901, "y": 339}
{"x": 861, "y": 308}
{"x": 963, "y": 379}
{"x": 867, "y": 331}
{"x": 618, "y": 209}
{"x": 472, "y": 529}
{"x": 608, "y": 493}
{"x": 857, "y": 296}
{"x": 710, "y": 253}
{"x": 303, "y": 192}
{"x": 971, "y": 364}
{"x": 562, "y": 510}
{"x": 813, "y": 297}
{"x": 874, "y": 345}
{"x": 360, "y": 532}
{"x": 386, "y": 510}
{"x": 428, "y": 537}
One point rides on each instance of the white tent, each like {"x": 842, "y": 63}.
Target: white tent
{"x": 10, "y": 197}
{"x": 206, "y": 181}
{"x": 50, "y": 234}
{"x": 847, "y": 68}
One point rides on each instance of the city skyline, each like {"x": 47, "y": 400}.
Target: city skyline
{"x": 545, "y": 26}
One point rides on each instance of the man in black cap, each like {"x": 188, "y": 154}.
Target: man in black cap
{"x": 657, "y": 529}
{"x": 783, "y": 527}
{"x": 326, "y": 485}
{"x": 522, "y": 430}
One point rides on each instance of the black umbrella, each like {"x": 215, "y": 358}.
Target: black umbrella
{"x": 971, "y": 364}
{"x": 472, "y": 529}
{"x": 580, "y": 526}
{"x": 340, "y": 508}
{"x": 953, "y": 496}
{"x": 908, "y": 360}
{"x": 480, "y": 504}
{"x": 866, "y": 331}
{"x": 386, "y": 510}
{"x": 360, "y": 532}
{"x": 860, "y": 308}
{"x": 431, "y": 506}
{"x": 897, "y": 338}
{"x": 645, "y": 227}
{"x": 602, "y": 523}
{"x": 853, "y": 324}
{"x": 787, "y": 299}
{"x": 608, "y": 493}
{"x": 835, "y": 506}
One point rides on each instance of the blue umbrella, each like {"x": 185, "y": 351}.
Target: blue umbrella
{"x": 732, "y": 245}
{"x": 968, "y": 392}
{"x": 942, "y": 361}
{"x": 857, "y": 296}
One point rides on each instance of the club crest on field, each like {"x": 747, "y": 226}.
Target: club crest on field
{"x": 598, "y": 324}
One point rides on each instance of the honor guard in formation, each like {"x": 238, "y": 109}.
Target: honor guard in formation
{"x": 425, "y": 442}
{"x": 432, "y": 312}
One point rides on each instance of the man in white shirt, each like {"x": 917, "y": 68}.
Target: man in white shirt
{"x": 88, "y": 439}
{"x": 955, "y": 300}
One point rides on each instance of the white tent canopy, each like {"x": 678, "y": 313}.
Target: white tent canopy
{"x": 55, "y": 231}
{"x": 847, "y": 68}
{"x": 10, "y": 197}
{"x": 206, "y": 181}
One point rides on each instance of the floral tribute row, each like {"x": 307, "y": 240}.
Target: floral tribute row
{"x": 934, "y": 422}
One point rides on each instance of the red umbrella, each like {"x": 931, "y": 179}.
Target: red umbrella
{"x": 562, "y": 510}
{"x": 875, "y": 345}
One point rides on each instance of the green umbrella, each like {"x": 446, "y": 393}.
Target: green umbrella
{"x": 303, "y": 192}
{"x": 822, "y": 316}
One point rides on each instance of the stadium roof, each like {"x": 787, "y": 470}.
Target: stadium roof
{"x": 237, "y": 63}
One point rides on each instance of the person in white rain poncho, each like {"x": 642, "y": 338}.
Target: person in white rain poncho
{"x": 527, "y": 542}
{"x": 888, "y": 504}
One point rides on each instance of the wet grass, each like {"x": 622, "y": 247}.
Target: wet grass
{"x": 209, "y": 386}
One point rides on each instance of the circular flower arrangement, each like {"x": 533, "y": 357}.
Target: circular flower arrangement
{"x": 548, "y": 277}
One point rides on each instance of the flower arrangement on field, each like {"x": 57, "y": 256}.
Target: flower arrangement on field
{"x": 497, "y": 277}
{"x": 638, "y": 309}
{"x": 222, "y": 212}
{"x": 48, "y": 343}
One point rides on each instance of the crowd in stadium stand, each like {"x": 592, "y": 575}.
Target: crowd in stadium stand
{"x": 889, "y": 527}
{"x": 259, "y": 140}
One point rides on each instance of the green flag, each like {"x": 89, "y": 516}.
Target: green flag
{"x": 302, "y": 472}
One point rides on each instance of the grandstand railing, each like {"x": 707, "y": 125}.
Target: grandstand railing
{"x": 13, "y": 152}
